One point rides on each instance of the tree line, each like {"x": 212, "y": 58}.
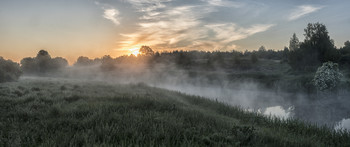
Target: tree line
{"x": 317, "y": 48}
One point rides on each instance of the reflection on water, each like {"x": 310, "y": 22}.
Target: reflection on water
{"x": 330, "y": 110}
{"x": 279, "y": 111}
{"x": 344, "y": 124}
{"x": 319, "y": 112}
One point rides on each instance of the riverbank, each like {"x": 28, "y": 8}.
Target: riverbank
{"x": 73, "y": 113}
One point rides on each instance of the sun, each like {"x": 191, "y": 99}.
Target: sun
{"x": 134, "y": 51}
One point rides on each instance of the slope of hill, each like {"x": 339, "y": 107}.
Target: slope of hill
{"x": 62, "y": 112}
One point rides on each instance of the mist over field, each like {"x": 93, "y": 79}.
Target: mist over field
{"x": 285, "y": 83}
{"x": 273, "y": 97}
{"x": 174, "y": 73}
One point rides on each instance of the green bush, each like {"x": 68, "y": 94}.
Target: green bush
{"x": 327, "y": 76}
{"x": 9, "y": 70}
{"x": 42, "y": 63}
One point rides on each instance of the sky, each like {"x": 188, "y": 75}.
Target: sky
{"x": 93, "y": 28}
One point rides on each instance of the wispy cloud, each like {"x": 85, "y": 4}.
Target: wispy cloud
{"x": 148, "y": 5}
{"x": 109, "y": 13}
{"x": 112, "y": 15}
{"x": 169, "y": 28}
{"x": 149, "y": 8}
{"x": 229, "y": 32}
{"x": 223, "y": 3}
{"x": 302, "y": 11}
{"x": 182, "y": 27}
{"x": 222, "y": 36}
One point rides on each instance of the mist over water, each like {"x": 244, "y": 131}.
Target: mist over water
{"x": 332, "y": 110}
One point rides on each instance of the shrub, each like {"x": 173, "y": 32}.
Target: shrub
{"x": 327, "y": 76}
{"x": 42, "y": 63}
{"x": 9, "y": 70}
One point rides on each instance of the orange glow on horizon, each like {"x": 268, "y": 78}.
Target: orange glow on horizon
{"x": 134, "y": 51}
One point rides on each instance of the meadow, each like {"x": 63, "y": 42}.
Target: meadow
{"x": 67, "y": 112}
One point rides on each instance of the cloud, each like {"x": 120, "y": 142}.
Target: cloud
{"x": 167, "y": 28}
{"x": 109, "y": 13}
{"x": 183, "y": 27}
{"x": 229, "y": 32}
{"x": 148, "y": 5}
{"x": 112, "y": 15}
{"x": 222, "y": 36}
{"x": 302, "y": 11}
{"x": 223, "y": 3}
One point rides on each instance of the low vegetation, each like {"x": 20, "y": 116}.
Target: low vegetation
{"x": 9, "y": 70}
{"x": 62, "y": 112}
{"x": 327, "y": 76}
{"x": 42, "y": 64}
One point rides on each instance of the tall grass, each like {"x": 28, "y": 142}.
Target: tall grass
{"x": 63, "y": 113}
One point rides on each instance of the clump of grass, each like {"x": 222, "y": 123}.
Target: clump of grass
{"x": 21, "y": 87}
{"x": 54, "y": 112}
{"x": 72, "y": 98}
{"x": 75, "y": 87}
{"x": 18, "y": 93}
{"x": 63, "y": 88}
{"x": 35, "y": 89}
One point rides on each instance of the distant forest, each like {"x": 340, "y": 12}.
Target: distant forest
{"x": 302, "y": 56}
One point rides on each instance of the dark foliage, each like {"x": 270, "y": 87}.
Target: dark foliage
{"x": 107, "y": 63}
{"x": 42, "y": 63}
{"x": 85, "y": 61}
{"x": 146, "y": 50}
{"x": 189, "y": 60}
{"x": 254, "y": 58}
{"x": 345, "y": 56}
{"x": 317, "y": 48}
{"x": 9, "y": 70}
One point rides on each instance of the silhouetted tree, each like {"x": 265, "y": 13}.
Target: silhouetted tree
{"x": 295, "y": 59}
{"x": 146, "y": 50}
{"x": 42, "y": 63}
{"x": 254, "y": 58}
{"x": 58, "y": 63}
{"x": 262, "y": 49}
{"x": 43, "y": 60}
{"x": 345, "y": 55}
{"x": 155, "y": 58}
{"x": 295, "y": 55}
{"x": 237, "y": 59}
{"x": 285, "y": 54}
{"x": 247, "y": 53}
{"x": 83, "y": 61}
{"x": 317, "y": 41}
{"x": 261, "y": 52}
{"x": 294, "y": 43}
{"x": 316, "y": 48}
{"x": 9, "y": 70}
{"x": 29, "y": 65}
{"x": 183, "y": 59}
{"x": 108, "y": 63}
{"x": 347, "y": 44}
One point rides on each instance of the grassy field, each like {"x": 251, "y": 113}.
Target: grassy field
{"x": 61, "y": 112}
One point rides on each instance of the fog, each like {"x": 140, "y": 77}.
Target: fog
{"x": 319, "y": 108}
